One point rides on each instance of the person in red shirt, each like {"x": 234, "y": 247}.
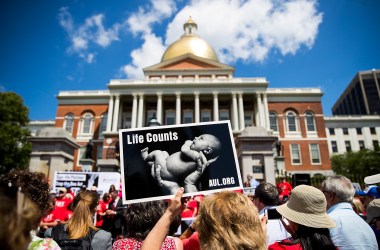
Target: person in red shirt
{"x": 191, "y": 208}
{"x": 61, "y": 205}
{"x": 101, "y": 209}
{"x": 49, "y": 220}
{"x": 284, "y": 189}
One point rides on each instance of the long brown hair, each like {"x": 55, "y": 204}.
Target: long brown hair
{"x": 228, "y": 220}
{"x": 79, "y": 224}
{"x": 15, "y": 226}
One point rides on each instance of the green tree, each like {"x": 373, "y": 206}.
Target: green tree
{"x": 14, "y": 147}
{"x": 364, "y": 162}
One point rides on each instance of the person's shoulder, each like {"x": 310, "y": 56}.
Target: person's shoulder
{"x": 170, "y": 242}
{"x": 38, "y": 243}
{"x": 102, "y": 234}
{"x": 285, "y": 244}
{"x": 102, "y": 240}
{"x": 124, "y": 243}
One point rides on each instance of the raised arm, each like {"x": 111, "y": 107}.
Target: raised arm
{"x": 157, "y": 235}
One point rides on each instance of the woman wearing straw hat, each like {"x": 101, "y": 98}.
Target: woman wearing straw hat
{"x": 305, "y": 218}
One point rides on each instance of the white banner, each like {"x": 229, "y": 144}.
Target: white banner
{"x": 101, "y": 180}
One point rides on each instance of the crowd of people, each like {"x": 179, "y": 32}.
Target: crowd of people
{"x": 333, "y": 216}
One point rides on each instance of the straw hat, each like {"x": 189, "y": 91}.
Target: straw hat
{"x": 307, "y": 206}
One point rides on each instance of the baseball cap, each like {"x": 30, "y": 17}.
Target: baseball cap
{"x": 62, "y": 189}
{"x": 370, "y": 191}
{"x": 372, "y": 179}
{"x": 373, "y": 210}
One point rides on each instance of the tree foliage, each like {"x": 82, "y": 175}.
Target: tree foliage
{"x": 364, "y": 162}
{"x": 14, "y": 147}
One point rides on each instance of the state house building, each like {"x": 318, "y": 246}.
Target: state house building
{"x": 190, "y": 85}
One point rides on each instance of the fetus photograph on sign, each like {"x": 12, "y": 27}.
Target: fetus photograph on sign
{"x": 156, "y": 161}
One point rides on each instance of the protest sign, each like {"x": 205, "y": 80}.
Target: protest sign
{"x": 156, "y": 161}
{"x": 101, "y": 180}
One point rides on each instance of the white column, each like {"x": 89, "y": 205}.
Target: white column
{"x": 178, "y": 108}
{"x": 259, "y": 107}
{"x": 159, "y": 108}
{"x": 216, "y": 107}
{"x": 134, "y": 111}
{"x": 116, "y": 114}
{"x": 110, "y": 114}
{"x": 235, "y": 123}
{"x": 241, "y": 111}
{"x": 140, "y": 114}
{"x": 196, "y": 103}
{"x": 266, "y": 111}
{"x": 256, "y": 113}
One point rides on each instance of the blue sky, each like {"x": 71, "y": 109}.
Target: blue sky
{"x": 51, "y": 45}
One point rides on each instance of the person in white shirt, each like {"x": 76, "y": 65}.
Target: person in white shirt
{"x": 266, "y": 198}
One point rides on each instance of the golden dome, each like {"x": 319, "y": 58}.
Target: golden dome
{"x": 190, "y": 43}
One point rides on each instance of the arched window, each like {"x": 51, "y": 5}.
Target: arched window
{"x": 291, "y": 121}
{"x": 86, "y": 124}
{"x": 273, "y": 121}
{"x": 310, "y": 121}
{"x": 69, "y": 123}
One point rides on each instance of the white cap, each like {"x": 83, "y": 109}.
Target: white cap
{"x": 372, "y": 179}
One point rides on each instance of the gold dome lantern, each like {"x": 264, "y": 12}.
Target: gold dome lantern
{"x": 191, "y": 43}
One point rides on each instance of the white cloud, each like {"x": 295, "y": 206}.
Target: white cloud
{"x": 238, "y": 30}
{"x": 249, "y": 30}
{"x": 149, "y": 54}
{"x": 152, "y": 48}
{"x": 86, "y": 36}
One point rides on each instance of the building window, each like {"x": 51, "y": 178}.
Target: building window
{"x": 295, "y": 154}
{"x": 103, "y": 124}
{"x": 257, "y": 169}
{"x": 224, "y": 115}
{"x": 361, "y": 145}
{"x": 273, "y": 121}
{"x": 69, "y": 123}
{"x": 87, "y": 123}
{"x": 373, "y": 130}
{"x": 169, "y": 117}
{"x": 345, "y": 131}
{"x": 310, "y": 121}
{"x": 348, "y": 146}
{"x": 248, "y": 119}
{"x": 314, "y": 153}
{"x": 127, "y": 120}
{"x": 291, "y": 122}
{"x": 205, "y": 115}
{"x": 359, "y": 131}
{"x": 99, "y": 152}
{"x": 332, "y": 131}
{"x": 187, "y": 116}
{"x": 334, "y": 147}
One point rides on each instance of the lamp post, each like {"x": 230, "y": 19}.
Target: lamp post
{"x": 153, "y": 121}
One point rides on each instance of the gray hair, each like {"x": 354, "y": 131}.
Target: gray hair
{"x": 340, "y": 186}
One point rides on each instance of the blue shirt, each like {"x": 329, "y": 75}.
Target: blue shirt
{"x": 351, "y": 231}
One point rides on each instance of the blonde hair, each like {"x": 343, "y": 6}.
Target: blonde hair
{"x": 79, "y": 224}
{"x": 358, "y": 205}
{"x": 228, "y": 220}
